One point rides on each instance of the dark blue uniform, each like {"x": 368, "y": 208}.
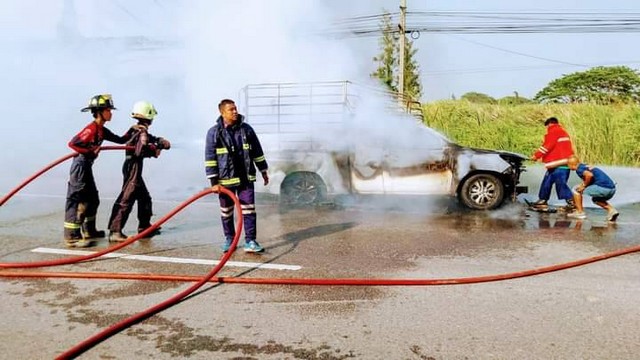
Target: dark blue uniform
{"x": 230, "y": 155}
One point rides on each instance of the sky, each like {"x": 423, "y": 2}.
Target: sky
{"x": 450, "y": 64}
{"x": 499, "y": 64}
{"x": 186, "y": 55}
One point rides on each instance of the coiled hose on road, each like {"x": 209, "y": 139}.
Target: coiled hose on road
{"x": 210, "y": 277}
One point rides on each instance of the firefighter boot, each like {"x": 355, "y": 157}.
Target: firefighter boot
{"x": 89, "y": 230}
{"x": 73, "y": 239}
{"x": 117, "y": 236}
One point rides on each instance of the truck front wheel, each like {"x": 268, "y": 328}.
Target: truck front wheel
{"x": 482, "y": 192}
{"x": 303, "y": 189}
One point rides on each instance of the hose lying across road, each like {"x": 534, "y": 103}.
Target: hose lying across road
{"x": 114, "y": 329}
{"x": 210, "y": 277}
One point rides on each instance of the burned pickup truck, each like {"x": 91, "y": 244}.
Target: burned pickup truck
{"x": 333, "y": 138}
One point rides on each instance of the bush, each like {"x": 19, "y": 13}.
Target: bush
{"x": 602, "y": 134}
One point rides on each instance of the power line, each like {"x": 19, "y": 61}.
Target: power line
{"x": 517, "y": 52}
{"x": 474, "y": 22}
{"x": 449, "y": 72}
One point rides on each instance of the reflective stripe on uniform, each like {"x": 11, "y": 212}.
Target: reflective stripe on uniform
{"x": 245, "y": 146}
{"x": 566, "y": 138}
{"x": 556, "y": 163}
{"x": 210, "y": 163}
{"x": 543, "y": 150}
{"x": 252, "y": 178}
{"x": 230, "y": 182}
{"x": 259, "y": 159}
{"x": 248, "y": 209}
{"x": 226, "y": 212}
{"x": 222, "y": 150}
{"x": 72, "y": 226}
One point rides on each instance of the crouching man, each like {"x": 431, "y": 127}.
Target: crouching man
{"x": 595, "y": 183}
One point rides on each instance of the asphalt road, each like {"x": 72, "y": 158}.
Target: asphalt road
{"x": 589, "y": 312}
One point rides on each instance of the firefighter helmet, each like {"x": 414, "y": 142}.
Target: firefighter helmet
{"x": 144, "y": 110}
{"x": 98, "y": 102}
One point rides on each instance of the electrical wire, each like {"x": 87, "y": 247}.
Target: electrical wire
{"x": 484, "y": 22}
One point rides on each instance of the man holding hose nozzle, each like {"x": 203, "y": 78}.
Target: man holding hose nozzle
{"x": 134, "y": 189}
{"x": 232, "y": 148}
{"x": 554, "y": 152}
{"x": 82, "y": 194}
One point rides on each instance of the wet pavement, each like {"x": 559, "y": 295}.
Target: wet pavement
{"x": 585, "y": 312}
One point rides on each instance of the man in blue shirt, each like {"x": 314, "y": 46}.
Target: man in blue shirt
{"x": 595, "y": 183}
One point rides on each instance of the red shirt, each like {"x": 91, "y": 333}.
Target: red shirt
{"x": 90, "y": 138}
{"x": 556, "y": 148}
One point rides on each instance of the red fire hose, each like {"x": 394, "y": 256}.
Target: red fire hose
{"x": 115, "y": 328}
{"x": 210, "y": 277}
{"x": 327, "y": 282}
{"x": 49, "y": 167}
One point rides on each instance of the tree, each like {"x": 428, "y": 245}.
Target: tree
{"x": 387, "y": 61}
{"x": 478, "y": 98}
{"x": 412, "y": 84}
{"x": 602, "y": 85}
{"x": 514, "y": 100}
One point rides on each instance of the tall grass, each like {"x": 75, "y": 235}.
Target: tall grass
{"x": 601, "y": 134}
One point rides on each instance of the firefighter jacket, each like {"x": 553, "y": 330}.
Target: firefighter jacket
{"x": 142, "y": 145}
{"x": 231, "y": 152}
{"x": 89, "y": 139}
{"x": 556, "y": 148}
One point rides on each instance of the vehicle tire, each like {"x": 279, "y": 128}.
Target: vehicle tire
{"x": 482, "y": 192}
{"x": 303, "y": 188}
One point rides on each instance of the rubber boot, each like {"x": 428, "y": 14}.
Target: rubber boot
{"x": 73, "y": 239}
{"x": 89, "y": 230}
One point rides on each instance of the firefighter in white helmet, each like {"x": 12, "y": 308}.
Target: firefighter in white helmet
{"x": 143, "y": 145}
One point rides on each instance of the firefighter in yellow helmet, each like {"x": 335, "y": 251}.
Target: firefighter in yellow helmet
{"x": 134, "y": 189}
{"x": 82, "y": 194}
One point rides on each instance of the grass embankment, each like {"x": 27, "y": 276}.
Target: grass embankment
{"x": 608, "y": 135}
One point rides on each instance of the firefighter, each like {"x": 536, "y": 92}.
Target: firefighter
{"x": 134, "y": 189}
{"x": 232, "y": 148}
{"x": 82, "y": 194}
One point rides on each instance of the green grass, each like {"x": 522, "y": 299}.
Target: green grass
{"x": 601, "y": 134}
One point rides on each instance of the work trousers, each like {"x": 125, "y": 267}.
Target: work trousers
{"x": 246, "y": 195}
{"x": 82, "y": 196}
{"x": 559, "y": 178}
{"x": 133, "y": 189}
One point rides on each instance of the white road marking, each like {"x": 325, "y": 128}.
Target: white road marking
{"x": 169, "y": 259}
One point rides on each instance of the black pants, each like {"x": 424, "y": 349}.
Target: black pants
{"x": 133, "y": 189}
{"x": 82, "y": 195}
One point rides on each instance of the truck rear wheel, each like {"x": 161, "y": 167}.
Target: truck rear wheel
{"x": 303, "y": 188}
{"x": 482, "y": 192}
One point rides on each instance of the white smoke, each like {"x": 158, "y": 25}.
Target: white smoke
{"x": 182, "y": 56}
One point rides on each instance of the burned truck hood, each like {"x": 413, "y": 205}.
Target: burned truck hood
{"x": 471, "y": 159}
{"x": 508, "y": 154}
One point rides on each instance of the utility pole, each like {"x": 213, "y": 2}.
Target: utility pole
{"x": 402, "y": 28}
